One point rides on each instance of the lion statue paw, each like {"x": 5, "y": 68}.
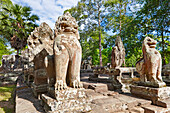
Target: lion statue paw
{"x": 60, "y": 85}
{"x": 76, "y": 84}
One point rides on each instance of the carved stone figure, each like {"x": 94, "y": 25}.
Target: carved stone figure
{"x": 87, "y": 64}
{"x": 40, "y": 44}
{"x": 118, "y": 54}
{"x": 67, "y": 52}
{"x": 63, "y": 69}
{"x": 41, "y": 38}
{"x": 149, "y": 67}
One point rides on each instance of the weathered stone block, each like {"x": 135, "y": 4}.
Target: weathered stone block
{"x": 69, "y": 100}
{"x": 155, "y": 109}
{"x": 154, "y": 94}
{"x": 99, "y": 87}
{"x": 38, "y": 89}
{"x": 40, "y": 77}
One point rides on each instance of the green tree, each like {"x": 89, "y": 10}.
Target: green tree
{"x": 3, "y": 49}
{"x": 90, "y": 15}
{"x": 117, "y": 15}
{"x": 16, "y": 24}
{"x": 120, "y": 20}
{"x": 154, "y": 19}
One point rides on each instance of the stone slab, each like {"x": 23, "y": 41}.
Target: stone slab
{"x": 86, "y": 70}
{"x": 39, "y": 88}
{"x": 135, "y": 110}
{"x": 148, "y": 92}
{"x": 164, "y": 103}
{"x": 155, "y": 109}
{"x": 151, "y": 84}
{"x": 25, "y": 102}
{"x": 99, "y": 87}
{"x": 107, "y": 80}
{"x": 69, "y": 100}
{"x": 153, "y": 94}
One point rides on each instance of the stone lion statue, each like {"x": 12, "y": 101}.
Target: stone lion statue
{"x": 64, "y": 65}
{"x": 149, "y": 67}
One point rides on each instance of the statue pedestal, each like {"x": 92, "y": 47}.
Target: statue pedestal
{"x": 39, "y": 89}
{"x": 156, "y": 95}
{"x": 117, "y": 77}
{"x": 39, "y": 85}
{"x": 69, "y": 100}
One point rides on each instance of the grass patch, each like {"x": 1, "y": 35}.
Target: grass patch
{"x": 6, "y": 99}
{"x": 6, "y": 92}
{"x": 6, "y": 110}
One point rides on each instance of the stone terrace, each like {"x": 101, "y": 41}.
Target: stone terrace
{"x": 102, "y": 100}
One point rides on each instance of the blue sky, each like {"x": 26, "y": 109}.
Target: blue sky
{"x": 47, "y": 10}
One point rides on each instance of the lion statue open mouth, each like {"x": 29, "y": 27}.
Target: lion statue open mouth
{"x": 67, "y": 53}
{"x": 149, "y": 67}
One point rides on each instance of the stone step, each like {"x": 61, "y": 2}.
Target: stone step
{"x": 164, "y": 103}
{"x": 155, "y": 109}
{"x": 98, "y": 87}
{"x": 136, "y": 110}
{"x": 101, "y": 80}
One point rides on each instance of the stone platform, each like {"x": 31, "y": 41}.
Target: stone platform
{"x": 69, "y": 100}
{"x": 156, "y": 95}
{"x": 25, "y": 102}
{"x": 103, "y": 100}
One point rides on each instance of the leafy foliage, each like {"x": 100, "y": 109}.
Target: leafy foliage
{"x": 153, "y": 19}
{"x": 16, "y": 23}
{"x": 3, "y": 49}
{"x": 100, "y": 21}
{"x": 132, "y": 20}
{"x": 90, "y": 16}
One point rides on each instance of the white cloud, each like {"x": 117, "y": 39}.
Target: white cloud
{"x": 47, "y": 10}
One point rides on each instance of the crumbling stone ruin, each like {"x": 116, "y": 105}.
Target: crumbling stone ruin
{"x": 14, "y": 63}
{"x": 118, "y": 54}
{"x": 40, "y": 44}
{"x": 87, "y": 64}
{"x": 166, "y": 73}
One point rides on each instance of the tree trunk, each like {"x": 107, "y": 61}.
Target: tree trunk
{"x": 100, "y": 51}
{"x": 17, "y": 51}
{"x": 120, "y": 22}
{"x": 163, "y": 49}
{"x": 120, "y": 27}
